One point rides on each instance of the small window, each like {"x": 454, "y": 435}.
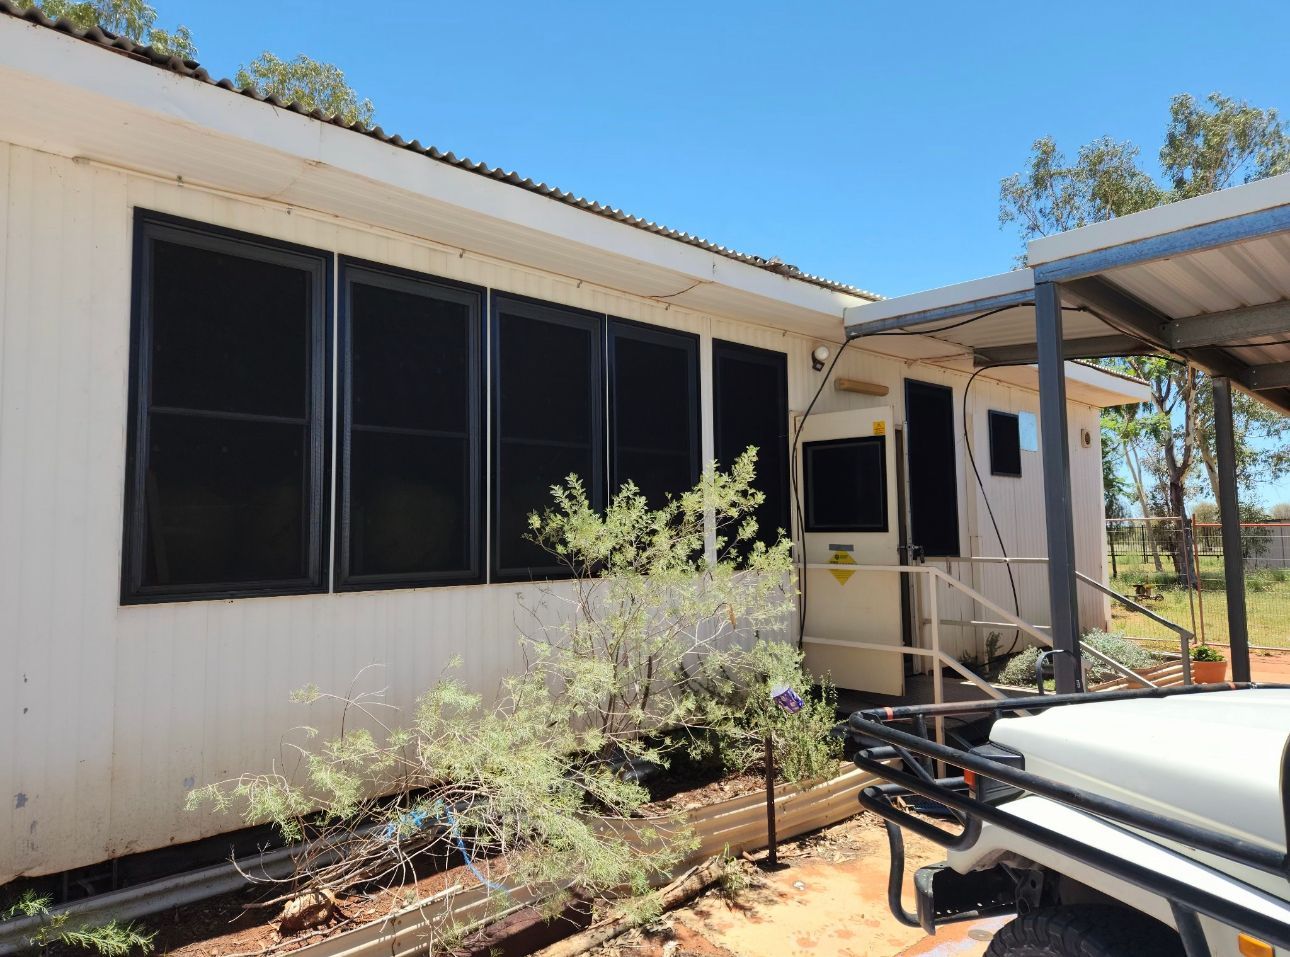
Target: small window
{"x": 750, "y": 407}
{"x": 653, "y": 409}
{"x": 225, "y": 481}
{"x": 1005, "y": 444}
{"x": 410, "y": 435}
{"x": 548, "y": 409}
{"x": 846, "y": 485}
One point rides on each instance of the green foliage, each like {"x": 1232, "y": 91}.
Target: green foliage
{"x": 311, "y": 83}
{"x": 113, "y": 939}
{"x": 805, "y": 748}
{"x": 508, "y": 781}
{"x": 648, "y": 642}
{"x": 1208, "y": 145}
{"x": 656, "y": 637}
{"x": 134, "y": 19}
{"x": 1020, "y": 669}
{"x": 1219, "y": 144}
{"x": 1054, "y": 195}
{"x": 1206, "y": 653}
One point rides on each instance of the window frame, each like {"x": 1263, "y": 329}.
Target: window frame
{"x": 616, "y": 328}
{"x": 541, "y": 311}
{"x": 808, "y": 525}
{"x": 474, "y": 297}
{"x": 997, "y": 415}
{"x": 150, "y": 226}
{"x": 778, "y": 361}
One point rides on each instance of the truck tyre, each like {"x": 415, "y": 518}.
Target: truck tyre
{"x": 1085, "y": 931}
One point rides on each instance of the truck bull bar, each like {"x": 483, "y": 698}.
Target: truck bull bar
{"x": 917, "y": 751}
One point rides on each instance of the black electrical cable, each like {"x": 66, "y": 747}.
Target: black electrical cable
{"x": 797, "y": 434}
{"x": 985, "y": 497}
{"x": 932, "y": 332}
{"x": 797, "y": 498}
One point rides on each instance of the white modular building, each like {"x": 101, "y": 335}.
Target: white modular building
{"x": 276, "y": 396}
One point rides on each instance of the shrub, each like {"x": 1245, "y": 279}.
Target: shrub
{"x": 113, "y": 939}
{"x": 1020, "y": 670}
{"x": 656, "y": 636}
{"x": 504, "y": 782}
{"x": 805, "y": 746}
{"x": 1206, "y": 653}
{"x": 649, "y": 645}
{"x": 1124, "y": 650}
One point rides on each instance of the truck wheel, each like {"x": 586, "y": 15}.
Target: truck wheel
{"x": 1085, "y": 931}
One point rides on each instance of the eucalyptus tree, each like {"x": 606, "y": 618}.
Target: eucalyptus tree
{"x": 1167, "y": 445}
{"x": 314, "y": 84}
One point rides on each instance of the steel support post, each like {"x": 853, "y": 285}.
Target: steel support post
{"x": 1062, "y": 597}
{"x": 1230, "y": 515}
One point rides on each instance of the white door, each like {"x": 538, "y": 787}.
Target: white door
{"x": 847, "y": 480}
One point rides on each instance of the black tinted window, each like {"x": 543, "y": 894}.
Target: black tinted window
{"x": 1005, "y": 444}
{"x": 411, "y": 444}
{"x": 750, "y": 399}
{"x": 654, "y": 407}
{"x": 548, "y": 397}
{"x": 226, "y": 480}
{"x": 846, "y": 485}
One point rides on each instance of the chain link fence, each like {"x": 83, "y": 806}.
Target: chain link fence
{"x": 1175, "y": 567}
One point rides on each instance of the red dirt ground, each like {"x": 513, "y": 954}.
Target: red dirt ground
{"x": 830, "y": 901}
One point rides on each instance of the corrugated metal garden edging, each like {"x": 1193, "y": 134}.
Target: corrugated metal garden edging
{"x": 735, "y": 825}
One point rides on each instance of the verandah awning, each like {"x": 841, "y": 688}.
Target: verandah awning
{"x": 1206, "y": 280}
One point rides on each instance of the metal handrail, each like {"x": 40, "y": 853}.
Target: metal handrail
{"x": 1185, "y": 635}
{"x": 1013, "y": 620}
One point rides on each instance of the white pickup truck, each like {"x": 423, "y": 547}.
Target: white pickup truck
{"x": 1122, "y": 824}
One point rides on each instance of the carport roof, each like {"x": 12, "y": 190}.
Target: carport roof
{"x": 1205, "y": 279}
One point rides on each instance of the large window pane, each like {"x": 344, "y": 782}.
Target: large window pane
{"x": 229, "y": 333}
{"x": 548, "y": 397}
{"x": 750, "y": 400}
{"x": 411, "y": 439}
{"x": 226, "y": 501}
{"x": 406, "y": 504}
{"x": 654, "y": 410}
{"x": 226, "y": 480}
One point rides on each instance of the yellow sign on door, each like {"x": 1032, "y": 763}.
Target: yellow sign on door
{"x": 879, "y": 427}
{"x": 841, "y": 558}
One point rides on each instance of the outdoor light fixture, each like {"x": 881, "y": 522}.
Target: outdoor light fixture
{"x": 819, "y": 357}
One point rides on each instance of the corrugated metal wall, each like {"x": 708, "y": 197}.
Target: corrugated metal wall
{"x": 113, "y": 713}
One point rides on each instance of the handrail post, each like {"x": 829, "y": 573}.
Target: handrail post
{"x": 938, "y": 677}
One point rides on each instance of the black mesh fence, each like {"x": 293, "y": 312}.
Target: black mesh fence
{"x": 1175, "y": 568}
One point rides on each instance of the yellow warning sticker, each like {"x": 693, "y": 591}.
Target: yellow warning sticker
{"x": 880, "y": 427}
{"x": 841, "y": 558}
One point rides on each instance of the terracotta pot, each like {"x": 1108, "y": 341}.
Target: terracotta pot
{"x": 1208, "y": 672}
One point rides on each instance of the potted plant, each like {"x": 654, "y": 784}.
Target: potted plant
{"x": 1208, "y": 666}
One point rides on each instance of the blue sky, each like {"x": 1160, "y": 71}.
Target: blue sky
{"x": 859, "y": 141}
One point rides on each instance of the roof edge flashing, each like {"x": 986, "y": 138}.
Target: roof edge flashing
{"x": 1235, "y": 202}
{"x": 1015, "y": 288}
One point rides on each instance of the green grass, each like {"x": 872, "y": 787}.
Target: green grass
{"x": 1267, "y": 599}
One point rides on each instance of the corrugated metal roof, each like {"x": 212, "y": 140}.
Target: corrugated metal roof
{"x": 194, "y": 70}
{"x": 1195, "y": 285}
